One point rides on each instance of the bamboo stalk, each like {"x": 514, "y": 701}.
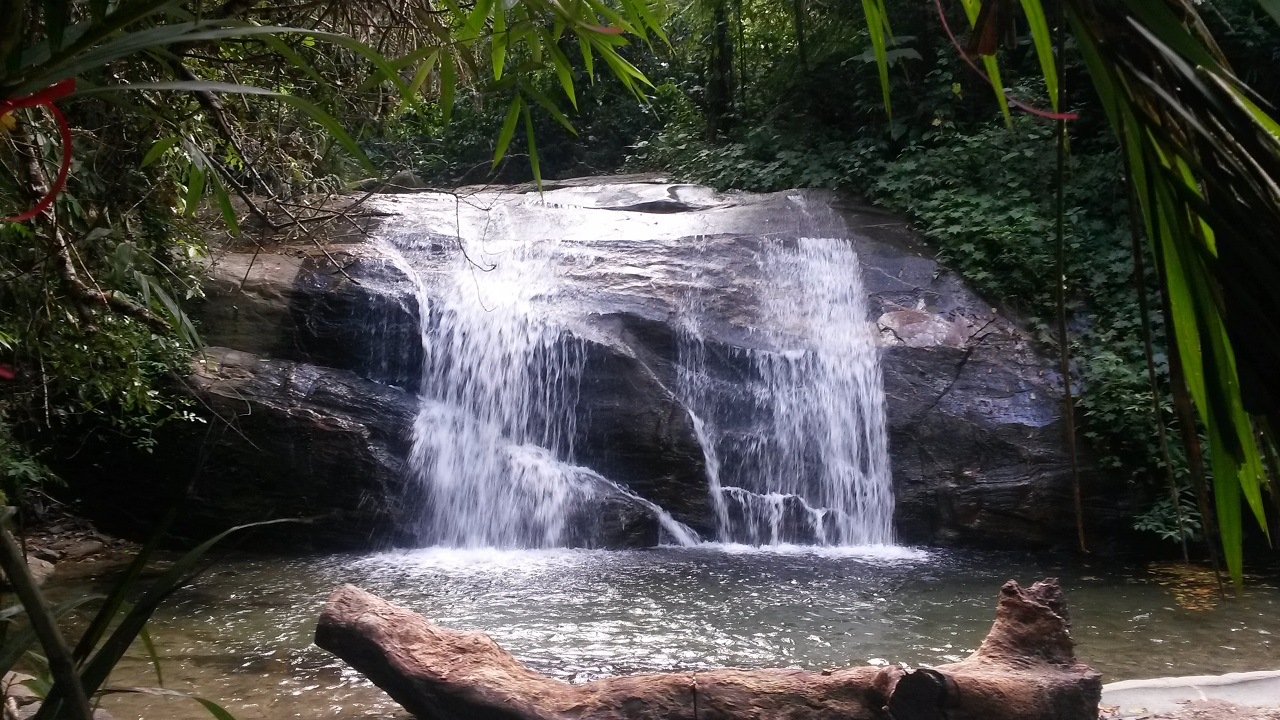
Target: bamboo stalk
{"x": 1068, "y": 400}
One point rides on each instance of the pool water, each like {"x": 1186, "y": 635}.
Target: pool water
{"x": 241, "y": 635}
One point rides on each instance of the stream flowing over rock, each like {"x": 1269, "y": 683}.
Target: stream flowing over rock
{"x": 654, "y": 339}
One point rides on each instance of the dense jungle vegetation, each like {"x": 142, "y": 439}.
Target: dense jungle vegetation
{"x": 234, "y": 125}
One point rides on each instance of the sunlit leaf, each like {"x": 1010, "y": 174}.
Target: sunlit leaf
{"x": 1043, "y": 40}
{"x": 874, "y": 11}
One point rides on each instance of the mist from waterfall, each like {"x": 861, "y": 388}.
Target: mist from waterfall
{"x": 798, "y": 453}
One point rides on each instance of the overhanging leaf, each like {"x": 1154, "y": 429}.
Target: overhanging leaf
{"x": 508, "y": 130}
{"x": 309, "y": 108}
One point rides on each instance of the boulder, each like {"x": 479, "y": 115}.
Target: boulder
{"x": 279, "y": 439}
{"x": 289, "y": 439}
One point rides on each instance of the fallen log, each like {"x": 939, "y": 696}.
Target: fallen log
{"x": 1025, "y": 670}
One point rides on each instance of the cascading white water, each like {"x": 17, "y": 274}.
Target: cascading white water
{"x": 500, "y": 378}
{"x": 798, "y": 453}
{"x": 493, "y": 439}
{"x": 793, "y": 434}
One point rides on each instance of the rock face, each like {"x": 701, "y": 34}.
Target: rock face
{"x": 326, "y": 363}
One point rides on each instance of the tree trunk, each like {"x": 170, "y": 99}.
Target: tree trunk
{"x": 801, "y": 47}
{"x": 1025, "y": 670}
{"x": 719, "y": 74}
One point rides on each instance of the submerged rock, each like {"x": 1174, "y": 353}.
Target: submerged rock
{"x": 323, "y": 408}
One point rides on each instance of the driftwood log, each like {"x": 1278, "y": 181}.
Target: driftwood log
{"x": 1024, "y": 670}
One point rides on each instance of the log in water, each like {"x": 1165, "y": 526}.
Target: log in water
{"x": 1025, "y": 669}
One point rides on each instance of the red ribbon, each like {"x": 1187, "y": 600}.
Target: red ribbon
{"x": 6, "y": 373}
{"x": 46, "y": 98}
{"x": 1013, "y": 101}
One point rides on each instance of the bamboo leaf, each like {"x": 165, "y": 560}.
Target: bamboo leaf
{"x": 584, "y": 46}
{"x": 1226, "y": 495}
{"x": 57, "y": 14}
{"x": 1249, "y": 475}
{"x": 310, "y": 109}
{"x": 152, "y": 655}
{"x": 159, "y": 148}
{"x": 1177, "y": 285}
{"x": 621, "y": 24}
{"x": 551, "y": 108}
{"x": 508, "y": 130}
{"x": 651, "y": 20}
{"x": 421, "y": 75}
{"x": 993, "y": 72}
{"x": 448, "y": 85}
{"x": 499, "y": 41}
{"x": 1272, "y": 7}
{"x": 123, "y": 586}
{"x": 1158, "y": 18}
{"x": 1104, "y": 82}
{"x": 195, "y": 189}
{"x": 1259, "y": 116}
{"x": 82, "y": 36}
{"x": 18, "y": 642}
{"x": 874, "y": 11}
{"x": 198, "y": 31}
{"x": 213, "y": 708}
{"x": 475, "y": 21}
{"x": 1043, "y": 40}
{"x": 42, "y": 619}
{"x": 533, "y": 149}
{"x": 972, "y": 9}
{"x": 281, "y": 48}
{"x": 99, "y": 666}
{"x": 563, "y": 72}
{"x": 224, "y": 204}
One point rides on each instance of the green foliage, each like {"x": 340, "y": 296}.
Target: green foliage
{"x": 78, "y": 365}
{"x": 763, "y": 159}
{"x": 1163, "y": 520}
{"x": 20, "y": 468}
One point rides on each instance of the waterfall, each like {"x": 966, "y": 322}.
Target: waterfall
{"x": 493, "y": 439}
{"x": 499, "y": 379}
{"x": 776, "y": 365}
{"x": 798, "y": 453}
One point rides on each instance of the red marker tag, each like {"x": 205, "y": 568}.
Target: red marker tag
{"x": 46, "y": 97}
